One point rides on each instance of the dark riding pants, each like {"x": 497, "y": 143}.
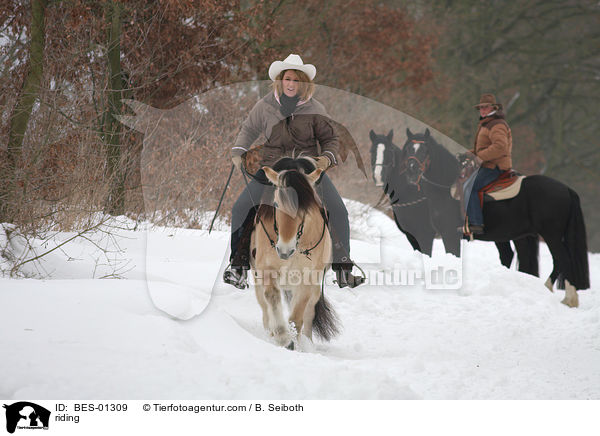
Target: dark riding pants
{"x": 485, "y": 176}
{"x": 244, "y": 211}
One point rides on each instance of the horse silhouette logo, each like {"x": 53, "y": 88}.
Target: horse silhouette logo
{"x": 26, "y": 415}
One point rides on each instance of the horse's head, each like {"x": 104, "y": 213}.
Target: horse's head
{"x": 294, "y": 198}
{"x": 383, "y": 156}
{"x": 416, "y": 155}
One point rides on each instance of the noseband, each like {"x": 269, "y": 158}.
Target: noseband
{"x": 423, "y": 165}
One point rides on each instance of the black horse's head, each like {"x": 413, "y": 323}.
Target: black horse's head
{"x": 416, "y": 155}
{"x": 427, "y": 160}
{"x": 383, "y": 157}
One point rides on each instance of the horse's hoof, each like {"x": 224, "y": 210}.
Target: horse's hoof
{"x": 571, "y": 298}
{"x": 571, "y": 302}
{"x": 549, "y": 285}
{"x": 290, "y": 346}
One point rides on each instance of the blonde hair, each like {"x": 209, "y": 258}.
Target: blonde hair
{"x": 306, "y": 86}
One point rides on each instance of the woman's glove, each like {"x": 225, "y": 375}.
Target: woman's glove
{"x": 322, "y": 162}
{"x": 467, "y": 159}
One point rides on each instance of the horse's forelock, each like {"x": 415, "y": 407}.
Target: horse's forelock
{"x": 296, "y": 192}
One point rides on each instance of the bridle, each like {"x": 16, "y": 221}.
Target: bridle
{"x": 299, "y": 232}
{"x": 384, "y": 165}
{"x": 392, "y": 164}
{"x": 402, "y": 171}
{"x": 423, "y": 165}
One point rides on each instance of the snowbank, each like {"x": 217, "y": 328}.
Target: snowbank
{"x": 170, "y": 329}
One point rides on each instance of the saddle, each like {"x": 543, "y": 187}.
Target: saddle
{"x": 506, "y": 186}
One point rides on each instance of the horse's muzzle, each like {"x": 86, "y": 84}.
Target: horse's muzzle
{"x": 412, "y": 178}
{"x": 412, "y": 172}
{"x": 285, "y": 255}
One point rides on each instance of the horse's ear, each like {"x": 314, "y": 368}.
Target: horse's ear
{"x": 427, "y": 133}
{"x": 272, "y": 175}
{"x": 314, "y": 176}
{"x": 409, "y": 134}
{"x": 390, "y": 135}
{"x": 372, "y": 135}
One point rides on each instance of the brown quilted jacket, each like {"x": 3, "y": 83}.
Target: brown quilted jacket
{"x": 308, "y": 130}
{"x": 493, "y": 142}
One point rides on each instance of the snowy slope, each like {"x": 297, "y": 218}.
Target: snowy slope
{"x": 170, "y": 329}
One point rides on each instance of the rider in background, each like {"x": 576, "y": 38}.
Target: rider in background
{"x": 294, "y": 123}
{"x": 493, "y": 146}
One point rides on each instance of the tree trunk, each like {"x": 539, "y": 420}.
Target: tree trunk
{"x": 115, "y": 203}
{"x": 22, "y": 111}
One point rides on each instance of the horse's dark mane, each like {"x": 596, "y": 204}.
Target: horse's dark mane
{"x": 444, "y": 166}
{"x": 289, "y": 163}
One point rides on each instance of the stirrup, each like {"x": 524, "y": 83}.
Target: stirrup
{"x": 476, "y": 229}
{"x": 236, "y": 276}
{"x": 344, "y": 276}
{"x": 470, "y": 230}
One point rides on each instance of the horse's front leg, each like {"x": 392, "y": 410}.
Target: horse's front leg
{"x": 446, "y": 225}
{"x": 277, "y": 324}
{"x": 298, "y": 308}
{"x": 259, "y": 289}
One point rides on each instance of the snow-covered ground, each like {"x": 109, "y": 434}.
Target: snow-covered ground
{"x": 169, "y": 329}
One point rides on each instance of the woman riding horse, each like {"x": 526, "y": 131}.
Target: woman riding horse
{"x": 294, "y": 123}
{"x": 493, "y": 146}
{"x": 543, "y": 206}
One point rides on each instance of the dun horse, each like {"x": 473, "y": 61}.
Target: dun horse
{"x": 291, "y": 250}
{"x": 543, "y": 206}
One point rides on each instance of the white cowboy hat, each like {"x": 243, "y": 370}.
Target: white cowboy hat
{"x": 292, "y": 62}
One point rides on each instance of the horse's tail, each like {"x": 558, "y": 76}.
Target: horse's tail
{"x": 576, "y": 242}
{"x": 529, "y": 260}
{"x": 325, "y": 323}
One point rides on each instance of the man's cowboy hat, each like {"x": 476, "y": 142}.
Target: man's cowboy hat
{"x": 292, "y": 62}
{"x": 488, "y": 100}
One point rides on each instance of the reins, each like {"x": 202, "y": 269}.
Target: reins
{"x": 409, "y": 203}
{"x": 431, "y": 182}
{"x": 255, "y": 205}
{"x": 422, "y": 167}
{"x": 308, "y": 251}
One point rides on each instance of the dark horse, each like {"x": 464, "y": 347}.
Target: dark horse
{"x": 411, "y": 210}
{"x": 543, "y": 207}
{"x": 409, "y": 206}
